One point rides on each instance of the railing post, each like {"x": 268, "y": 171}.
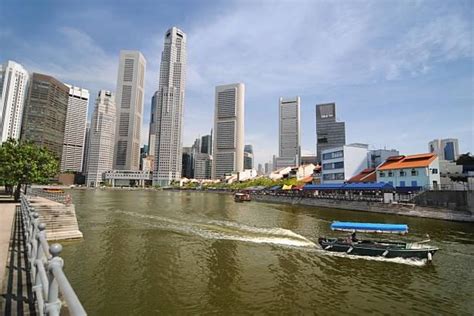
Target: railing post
{"x": 53, "y": 307}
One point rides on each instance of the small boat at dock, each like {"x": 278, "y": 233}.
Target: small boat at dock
{"x": 242, "y": 197}
{"x": 376, "y": 248}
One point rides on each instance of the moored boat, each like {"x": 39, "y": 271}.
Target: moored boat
{"x": 376, "y": 248}
{"x": 242, "y": 197}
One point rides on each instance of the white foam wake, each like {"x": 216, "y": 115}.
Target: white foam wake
{"x": 228, "y": 231}
{"x": 411, "y": 262}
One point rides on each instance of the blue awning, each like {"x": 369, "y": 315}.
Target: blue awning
{"x": 370, "y": 227}
{"x": 327, "y": 186}
{"x": 368, "y": 186}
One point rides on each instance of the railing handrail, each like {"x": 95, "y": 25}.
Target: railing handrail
{"x": 46, "y": 267}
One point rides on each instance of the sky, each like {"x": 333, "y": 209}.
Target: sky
{"x": 400, "y": 72}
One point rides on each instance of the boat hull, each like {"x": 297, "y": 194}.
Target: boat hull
{"x": 377, "y": 249}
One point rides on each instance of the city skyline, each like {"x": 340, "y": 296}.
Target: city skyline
{"x": 414, "y": 70}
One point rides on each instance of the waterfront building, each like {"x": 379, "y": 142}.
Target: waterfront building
{"x": 339, "y": 164}
{"x": 128, "y": 178}
{"x": 129, "y": 102}
{"x": 378, "y": 156}
{"x": 187, "y": 163}
{"x": 169, "y": 109}
{"x": 329, "y": 132}
{"x": 202, "y": 166}
{"x": 289, "y": 152}
{"x": 85, "y": 158}
{"x": 248, "y": 157}
{"x": 75, "y": 129}
{"x": 101, "y": 138}
{"x": 44, "y": 115}
{"x": 229, "y": 130}
{"x": 445, "y": 149}
{"x": 411, "y": 171}
{"x": 206, "y": 144}
{"x": 13, "y": 92}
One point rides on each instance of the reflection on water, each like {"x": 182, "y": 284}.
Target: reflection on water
{"x": 147, "y": 253}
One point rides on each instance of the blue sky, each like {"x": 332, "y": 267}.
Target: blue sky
{"x": 401, "y": 72}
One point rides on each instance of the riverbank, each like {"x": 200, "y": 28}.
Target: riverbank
{"x": 374, "y": 207}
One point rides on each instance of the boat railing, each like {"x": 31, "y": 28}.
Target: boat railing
{"x": 46, "y": 266}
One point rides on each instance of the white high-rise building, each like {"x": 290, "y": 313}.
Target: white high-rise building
{"x": 228, "y": 152}
{"x": 129, "y": 100}
{"x": 13, "y": 90}
{"x": 75, "y": 129}
{"x": 446, "y": 149}
{"x": 169, "y": 109}
{"x": 289, "y": 154}
{"x": 101, "y": 139}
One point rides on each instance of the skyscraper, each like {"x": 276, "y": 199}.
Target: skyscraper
{"x": 86, "y": 148}
{"x": 169, "y": 109}
{"x": 289, "y": 152}
{"x": 129, "y": 100}
{"x": 228, "y": 152}
{"x": 329, "y": 133}
{"x": 206, "y": 144}
{"x": 101, "y": 138}
{"x": 44, "y": 116}
{"x": 152, "y": 128}
{"x": 75, "y": 130}
{"x": 248, "y": 157}
{"x": 13, "y": 92}
{"x": 446, "y": 149}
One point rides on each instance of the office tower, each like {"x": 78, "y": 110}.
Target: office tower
{"x": 44, "y": 116}
{"x": 13, "y": 91}
{"x": 169, "y": 109}
{"x": 202, "y": 166}
{"x": 248, "y": 157}
{"x": 129, "y": 102}
{"x": 289, "y": 153}
{"x": 446, "y": 149}
{"x": 101, "y": 138}
{"x": 260, "y": 169}
{"x": 75, "y": 130}
{"x": 206, "y": 144}
{"x": 329, "y": 133}
{"x": 228, "y": 151}
{"x": 152, "y": 129}
{"x": 268, "y": 168}
{"x": 86, "y": 148}
{"x": 187, "y": 162}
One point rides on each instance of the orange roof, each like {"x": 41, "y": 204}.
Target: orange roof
{"x": 412, "y": 161}
{"x": 366, "y": 175}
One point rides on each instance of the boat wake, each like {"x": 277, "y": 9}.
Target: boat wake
{"x": 227, "y": 230}
{"x": 411, "y": 262}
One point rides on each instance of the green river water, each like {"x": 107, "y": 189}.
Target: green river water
{"x": 188, "y": 253}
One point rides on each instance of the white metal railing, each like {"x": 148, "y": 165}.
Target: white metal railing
{"x": 46, "y": 267}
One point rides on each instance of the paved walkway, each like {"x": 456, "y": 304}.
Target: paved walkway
{"x": 7, "y": 214}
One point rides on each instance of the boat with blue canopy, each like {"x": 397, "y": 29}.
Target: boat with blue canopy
{"x": 376, "y": 248}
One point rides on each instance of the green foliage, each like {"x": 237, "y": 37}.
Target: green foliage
{"x": 262, "y": 181}
{"x": 25, "y": 163}
{"x": 465, "y": 159}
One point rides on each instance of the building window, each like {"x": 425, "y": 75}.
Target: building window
{"x": 402, "y": 173}
{"x": 382, "y": 174}
{"x": 414, "y": 172}
{"x": 390, "y": 173}
{"x": 402, "y": 183}
{"x": 414, "y": 184}
{"x": 434, "y": 171}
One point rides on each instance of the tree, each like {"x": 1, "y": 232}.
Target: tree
{"x": 25, "y": 163}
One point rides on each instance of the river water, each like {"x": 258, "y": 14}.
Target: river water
{"x": 188, "y": 253}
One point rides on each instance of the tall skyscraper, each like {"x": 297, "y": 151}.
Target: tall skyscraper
{"x": 187, "y": 162}
{"x": 169, "y": 109}
{"x": 129, "y": 100}
{"x": 228, "y": 152}
{"x": 248, "y": 157}
{"x": 86, "y": 148}
{"x": 13, "y": 91}
{"x": 329, "y": 133}
{"x": 446, "y": 149}
{"x": 101, "y": 138}
{"x": 75, "y": 130}
{"x": 206, "y": 144}
{"x": 44, "y": 116}
{"x": 152, "y": 129}
{"x": 289, "y": 153}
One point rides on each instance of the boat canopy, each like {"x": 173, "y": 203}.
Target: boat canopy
{"x": 370, "y": 227}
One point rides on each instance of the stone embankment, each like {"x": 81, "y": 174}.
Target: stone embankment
{"x": 376, "y": 207}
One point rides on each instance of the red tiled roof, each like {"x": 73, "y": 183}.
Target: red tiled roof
{"x": 366, "y": 175}
{"x": 412, "y": 161}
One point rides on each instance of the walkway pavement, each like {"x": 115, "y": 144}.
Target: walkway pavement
{"x": 7, "y": 214}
